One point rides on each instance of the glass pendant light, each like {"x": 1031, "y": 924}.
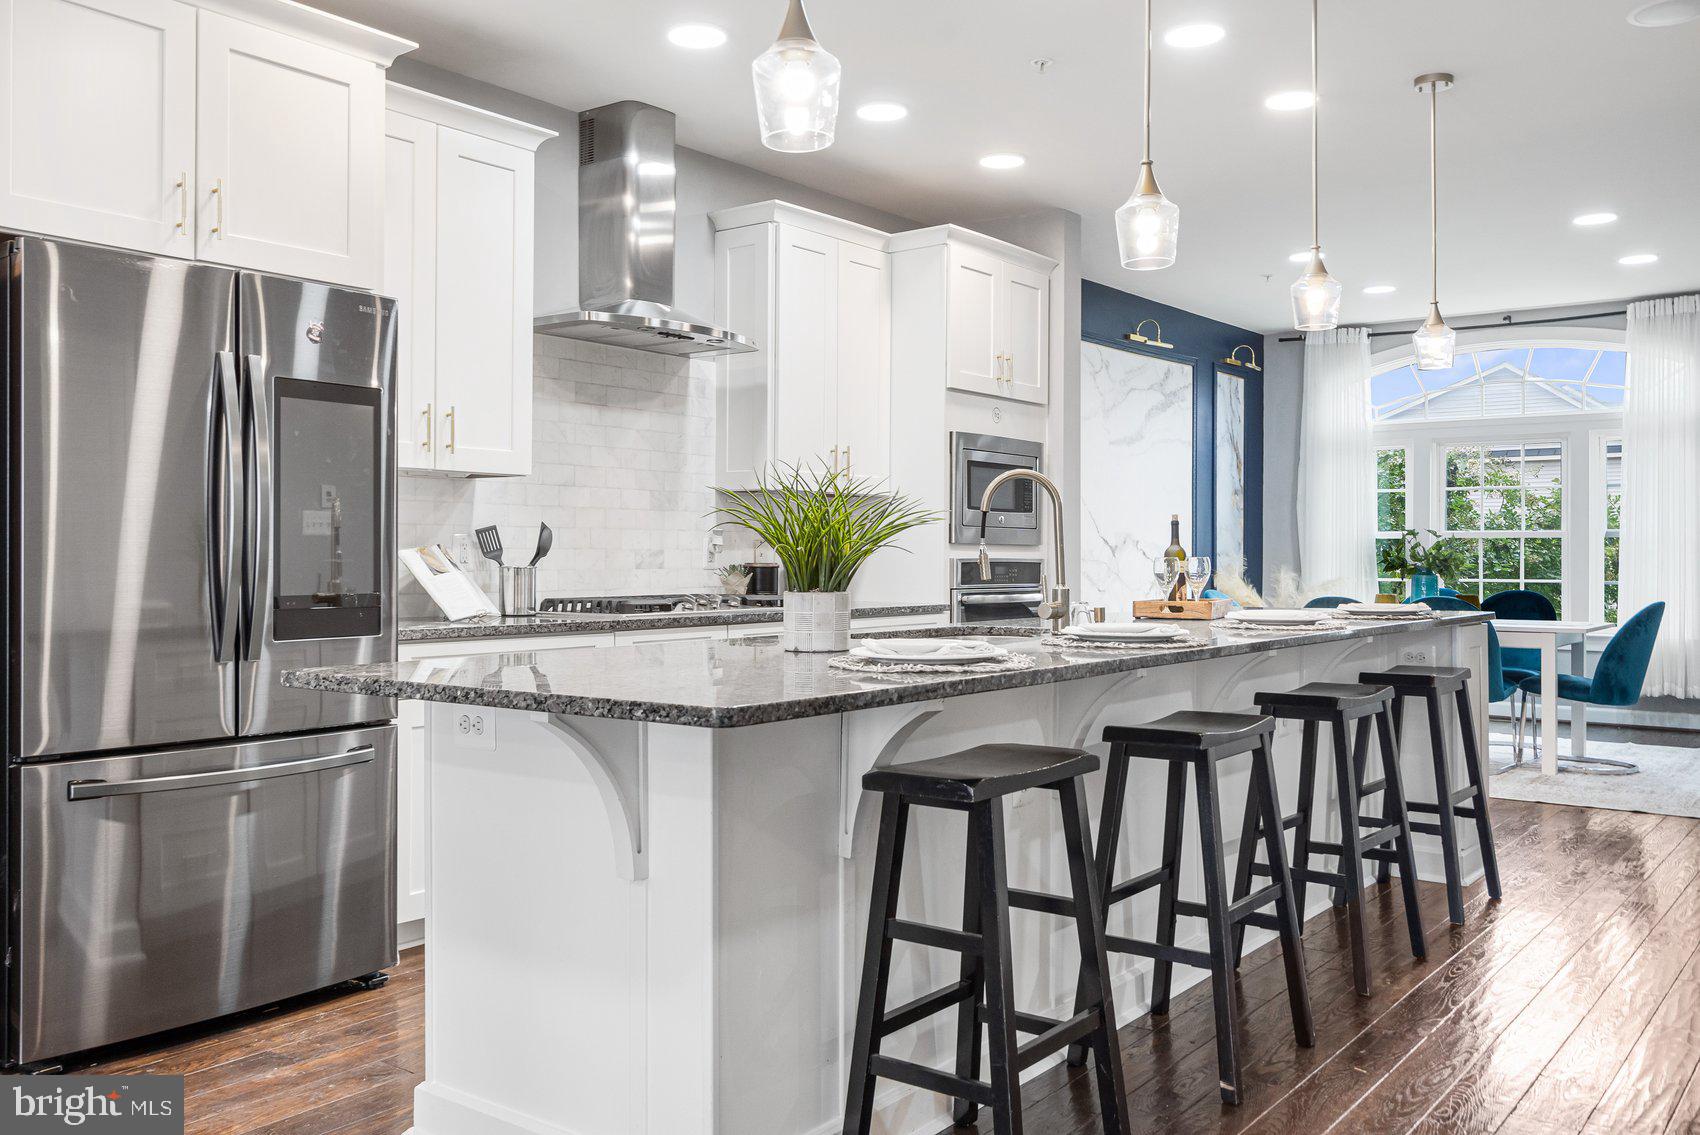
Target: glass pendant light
{"x": 1148, "y": 225}
{"x": 1316, "y": 294}
{"x": 796, "y": 88}
{"x": 1434, "y": 341}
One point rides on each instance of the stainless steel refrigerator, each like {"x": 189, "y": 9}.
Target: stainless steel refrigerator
{"x": 199, "y": 495}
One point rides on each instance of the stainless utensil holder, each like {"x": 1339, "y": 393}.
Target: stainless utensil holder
{"x": 519, "y": 589}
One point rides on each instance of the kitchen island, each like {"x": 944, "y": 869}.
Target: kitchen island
{"x": 649, "y": 864}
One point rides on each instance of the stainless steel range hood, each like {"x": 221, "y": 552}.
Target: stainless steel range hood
{"x": 626, "y": 239}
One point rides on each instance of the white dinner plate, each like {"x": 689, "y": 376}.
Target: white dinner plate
{"x": 1124, "y": 632}
{"x": 952, "y": 651}
{"x": 1387, "y": 610}
{"x": 910, "y": 646}
{"x": 1280, "y": 618}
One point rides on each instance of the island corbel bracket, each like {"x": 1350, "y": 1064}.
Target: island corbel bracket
{"x": 622, "y": 779}
{"x": 868, "y": 739}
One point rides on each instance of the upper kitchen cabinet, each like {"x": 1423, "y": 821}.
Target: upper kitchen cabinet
{"x": 814, "y": 292}
{"x": 459, "y": 216}
{"x": 97, "y": 131}
{"x": 246, "y": 132}
{"x": 986, "y": 306}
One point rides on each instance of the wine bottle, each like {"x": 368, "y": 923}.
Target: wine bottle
{"x": 1176, "y": 552}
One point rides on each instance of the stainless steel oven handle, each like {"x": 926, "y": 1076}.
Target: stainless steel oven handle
{"x": 262, "y": 524}
{"x": 224, "y": 533}
{"x": 100, "y": 789}
{"x": 1002, "y": 598}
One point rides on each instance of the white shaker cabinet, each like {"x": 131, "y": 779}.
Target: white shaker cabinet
{"x": 243, "y": 132}
{"x": 97, "y": 121}
{"x": 459, "y": 216}
{"x": 988, "y": 304}
{"x": 289, "y": 145}
{"x": 814, "y": 292}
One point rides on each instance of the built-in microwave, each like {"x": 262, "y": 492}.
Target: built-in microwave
{"x": 975, "y": 460}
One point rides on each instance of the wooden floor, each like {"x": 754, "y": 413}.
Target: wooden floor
{"x": 1572, "y": 1005}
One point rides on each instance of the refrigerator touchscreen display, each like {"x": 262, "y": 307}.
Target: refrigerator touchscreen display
{"x": 329, "y": 509}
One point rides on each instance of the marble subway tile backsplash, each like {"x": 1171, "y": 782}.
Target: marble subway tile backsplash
{"x": 622, "y": 471}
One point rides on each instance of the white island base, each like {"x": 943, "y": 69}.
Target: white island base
{"x": 637, "y": 929}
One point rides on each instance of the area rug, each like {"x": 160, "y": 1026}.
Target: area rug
{"x": 1667, "y": 785}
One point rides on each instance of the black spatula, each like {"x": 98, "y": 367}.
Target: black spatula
{"x": 545, "y": 540}
{"x": 490, "y": 543}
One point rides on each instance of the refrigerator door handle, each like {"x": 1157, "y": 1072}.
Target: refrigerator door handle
{"x": 224, "y": 533}
{"x": 100, "y": 789}
{"x": 261, "y": 521}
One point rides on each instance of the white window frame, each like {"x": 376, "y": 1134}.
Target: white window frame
{"x": 1584, "y": 476}
{"x": 1597, "y": 530}
{"x": 1409, "y": 490}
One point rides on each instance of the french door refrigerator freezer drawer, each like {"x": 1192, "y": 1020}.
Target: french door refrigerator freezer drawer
{"x": 164, "y": 888}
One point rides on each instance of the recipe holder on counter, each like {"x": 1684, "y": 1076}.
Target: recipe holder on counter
{"x": 1182, "y": 608}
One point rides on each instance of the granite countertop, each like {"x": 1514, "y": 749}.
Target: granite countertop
{"x": 439, "y": 630}
{"x": 725, "y": 684}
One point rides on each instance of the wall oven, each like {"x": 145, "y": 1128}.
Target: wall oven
{"x": 975, "y": 460}
{"x": 1011, "y": 596}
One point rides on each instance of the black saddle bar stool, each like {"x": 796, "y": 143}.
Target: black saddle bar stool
{"x": 976, "y": 781}
{"x": 1432, "y": 684}
{"x": 1339, "y": 706}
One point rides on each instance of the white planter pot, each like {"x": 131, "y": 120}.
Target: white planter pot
{"x": 817, "y": 621}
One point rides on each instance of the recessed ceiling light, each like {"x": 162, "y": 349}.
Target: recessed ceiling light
{"x": 1193, "y": 35}
{"x": 1300, "y": 257}
{"x": 882, "y": 111}
{"x": 1665, "y": 13}
{"x": 1003, "y": 161}
{"x": 1588, "y": 220}
{"x": 1636, "y": 258}
{"x": 1290, "y": 100}
{"x": 1379, "y": 289}
{"x": 697, "y": 37}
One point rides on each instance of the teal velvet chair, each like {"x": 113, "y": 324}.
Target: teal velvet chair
{"x": 1520, "y": 603}
{"x": 1449, "y": 603}
{"x": 1330, "y": 601}
{"x": 1443, "y": 593}
{"x": 1503, "y": 684}
{"x": 1617, "y": 681}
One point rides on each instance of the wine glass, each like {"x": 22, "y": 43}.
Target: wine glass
{"x": 1197, "y": 574}
{"x": 1167, "y": 569}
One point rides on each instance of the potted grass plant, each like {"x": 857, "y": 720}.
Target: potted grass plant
{"x": 822, "y": 523}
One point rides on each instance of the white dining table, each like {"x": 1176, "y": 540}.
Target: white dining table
{"x": 1547, "y": 636}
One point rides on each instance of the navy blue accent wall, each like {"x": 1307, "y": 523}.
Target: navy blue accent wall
{"x": 1106, "y": 317}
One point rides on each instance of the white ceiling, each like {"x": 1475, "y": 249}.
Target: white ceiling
{"x": 1562, "y": 107}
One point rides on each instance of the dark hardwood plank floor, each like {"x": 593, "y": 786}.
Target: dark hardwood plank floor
{"x": 1573, "y": 1005}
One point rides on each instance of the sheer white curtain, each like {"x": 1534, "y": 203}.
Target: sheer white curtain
{"x": 1336, "y": 493}
{"x": 1661, "y": 497}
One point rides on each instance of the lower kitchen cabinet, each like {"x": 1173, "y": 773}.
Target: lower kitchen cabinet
{"x": 413, "y": 787}
{"x": 459, "y": 223}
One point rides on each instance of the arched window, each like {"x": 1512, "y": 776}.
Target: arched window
{"x": 1504, "y": 383}
{"x": 1515, "y": 452}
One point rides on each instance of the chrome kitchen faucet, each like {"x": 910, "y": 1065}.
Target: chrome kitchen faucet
{"x": 1055, "y": 606}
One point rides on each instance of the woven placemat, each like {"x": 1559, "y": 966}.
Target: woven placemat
{"x": 1234, "y": 627}
{"x": 1069, "y": 642}
{"x": 1008, "y": 664}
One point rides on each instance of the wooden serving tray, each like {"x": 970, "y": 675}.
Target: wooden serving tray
{"x": 1181, "y": 608}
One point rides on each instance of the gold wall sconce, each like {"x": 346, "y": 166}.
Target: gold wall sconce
{"x": 1234, "y": 359}
{"x": 1135, "y": 337}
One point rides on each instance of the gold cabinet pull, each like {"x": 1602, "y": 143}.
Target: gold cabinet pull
{"x": 426, "y": 444}
{"x": 835, "y": 459}
{"x": 183, "y": 202}
{"x": 451, "y": 415}
{"x": 847, "y": 459}
{"x": 218, "y": 202}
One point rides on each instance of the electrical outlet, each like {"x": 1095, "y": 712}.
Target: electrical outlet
{"x": 1415, "y": 656}
{"x": 463, "y": 551}
{"x": 476, "y": 729}
{"x": 327, "y": 496}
